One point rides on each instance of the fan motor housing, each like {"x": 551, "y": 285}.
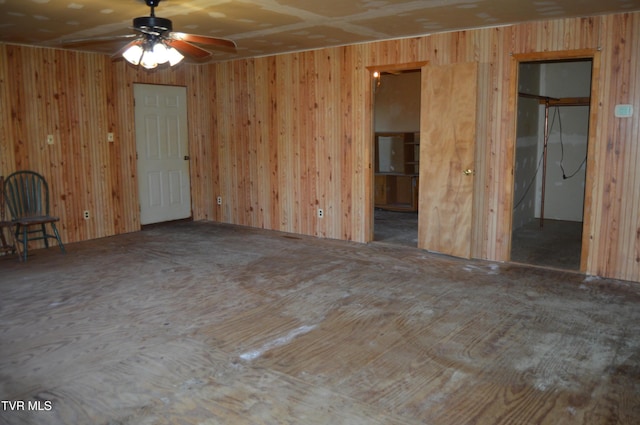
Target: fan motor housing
{"x": 153, "y": 23}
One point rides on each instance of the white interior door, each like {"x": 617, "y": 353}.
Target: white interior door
{"x": 163, "y": 162}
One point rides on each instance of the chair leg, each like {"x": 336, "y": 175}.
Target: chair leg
{"x": 25, "y": 239}
{"x": 44, "y": 236}
{"x": 16, "y": 245}
{"x": 55, "y": 232}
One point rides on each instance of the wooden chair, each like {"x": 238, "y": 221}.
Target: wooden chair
{"x": 27, "y": 196}
{"x": 7, "y": 224}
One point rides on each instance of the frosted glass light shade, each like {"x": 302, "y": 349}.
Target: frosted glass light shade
{"x": 174, "y": 56}
{"x": 149, "y": 60}
{"x": 161, "y": 53}
{"x": 133, "y": 54}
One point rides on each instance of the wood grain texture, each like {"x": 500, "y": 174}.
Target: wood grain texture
{"x": 447, "y": 154}
{"x": 207, "y": 323}
{"x": 278, "y": 137}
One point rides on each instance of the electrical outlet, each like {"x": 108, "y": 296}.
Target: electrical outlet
{"x": 86, "y": 215}
{"x": 320, "y": 213}
{"x": 50, "y": 139}
{"x": 219, "y": 200}
{"x": 110, "y": 137}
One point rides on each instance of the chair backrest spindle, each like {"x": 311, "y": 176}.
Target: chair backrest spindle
{"x": 27, "y": 194}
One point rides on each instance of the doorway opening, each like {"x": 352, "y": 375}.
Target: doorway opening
{"x": 553, "y": 114}
{"x": 396, "y": 120}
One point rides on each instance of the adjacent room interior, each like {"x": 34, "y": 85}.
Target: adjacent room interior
{"x": 397, "y": 156}
{"x": 550, "y": 165}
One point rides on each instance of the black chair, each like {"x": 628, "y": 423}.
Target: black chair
{"x": 27, "y": 196}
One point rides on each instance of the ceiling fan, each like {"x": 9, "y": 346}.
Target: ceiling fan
{"x": 154, "y": 42}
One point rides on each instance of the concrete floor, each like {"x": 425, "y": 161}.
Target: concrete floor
{"x": 203, "y": 323}
{"x": 396, "y": 227}
{"x": 556, "y": 244}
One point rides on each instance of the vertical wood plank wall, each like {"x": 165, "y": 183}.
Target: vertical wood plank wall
{"x": 278, "y": 137}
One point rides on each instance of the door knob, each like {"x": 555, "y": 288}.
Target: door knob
{"x": 468, "y": 172}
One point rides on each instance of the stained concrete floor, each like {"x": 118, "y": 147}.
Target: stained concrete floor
{"x": 396, "y": 227}
{"x": 555, "y": 244}
{"x": 203, "y": 323}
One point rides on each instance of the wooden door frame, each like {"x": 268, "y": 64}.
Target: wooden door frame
{"x": 588, "y": 54}
{"x": 370, "y": 136}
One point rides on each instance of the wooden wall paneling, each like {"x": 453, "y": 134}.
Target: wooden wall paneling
{"x": 294, "y": 142}
{"x": 260, "y": 133}
{"x": 630, "y": 214}
{"x": 225, "y": 135}
{"x": 284, "y": 135}
{"x": 101, "y": 217}
{"x": 240, "y": 143}
{"x": 126, "y": 116}
{"x": 327, "y": 157}
{"x": 271, "y": 119}
{"x": 312, "y": 120}
{"x": 623, "y": 157}
{"x": 199, "y": 151}
{"x": 254, "y": 130}
{"x": 483, "y": 135}
{"x": 210, "y": 125}
{"x": 600, "y": 228}
{"x": 500, "y": 165}
{"x": 361, "y": 223}
{"x": 114, "y": 154}
{"x": 75, "y": 147}
{"x": 7, "y": 157}
{"x": 633, "y": 183}
{"x": 252, "y": 171}
{"x": 347, "y": 154}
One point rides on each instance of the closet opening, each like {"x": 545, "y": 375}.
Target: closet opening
{"x": 396, "y": 120}
{"x": 553, "y": 112}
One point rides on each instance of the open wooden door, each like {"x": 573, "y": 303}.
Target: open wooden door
{"x": 447, "y": 158}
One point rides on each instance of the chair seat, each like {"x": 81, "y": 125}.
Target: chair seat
{"x": 28, "y": 221}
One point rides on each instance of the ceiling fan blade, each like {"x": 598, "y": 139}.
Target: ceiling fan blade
{"x": 191, "y": 50}
{"x": 219, "y": 43}
{"x": 118, "y": 54}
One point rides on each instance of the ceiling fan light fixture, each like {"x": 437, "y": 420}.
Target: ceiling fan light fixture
{"x": 175, "y": 57}
{"x": 160, "y": 52}
{"x": 151, "y": 54}
{"x": 133, "y": 54}
{"x": 148, "y": 59}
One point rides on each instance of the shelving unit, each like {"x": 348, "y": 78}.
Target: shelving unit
{"x": 397, "y": 166}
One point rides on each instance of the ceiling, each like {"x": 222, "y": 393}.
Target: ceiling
{"x": 267, "y": 27}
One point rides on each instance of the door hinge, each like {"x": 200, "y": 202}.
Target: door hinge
{"x": 186, "y": 157}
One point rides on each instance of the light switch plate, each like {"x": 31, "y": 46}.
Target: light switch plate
{"x": 623, "y": 111}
